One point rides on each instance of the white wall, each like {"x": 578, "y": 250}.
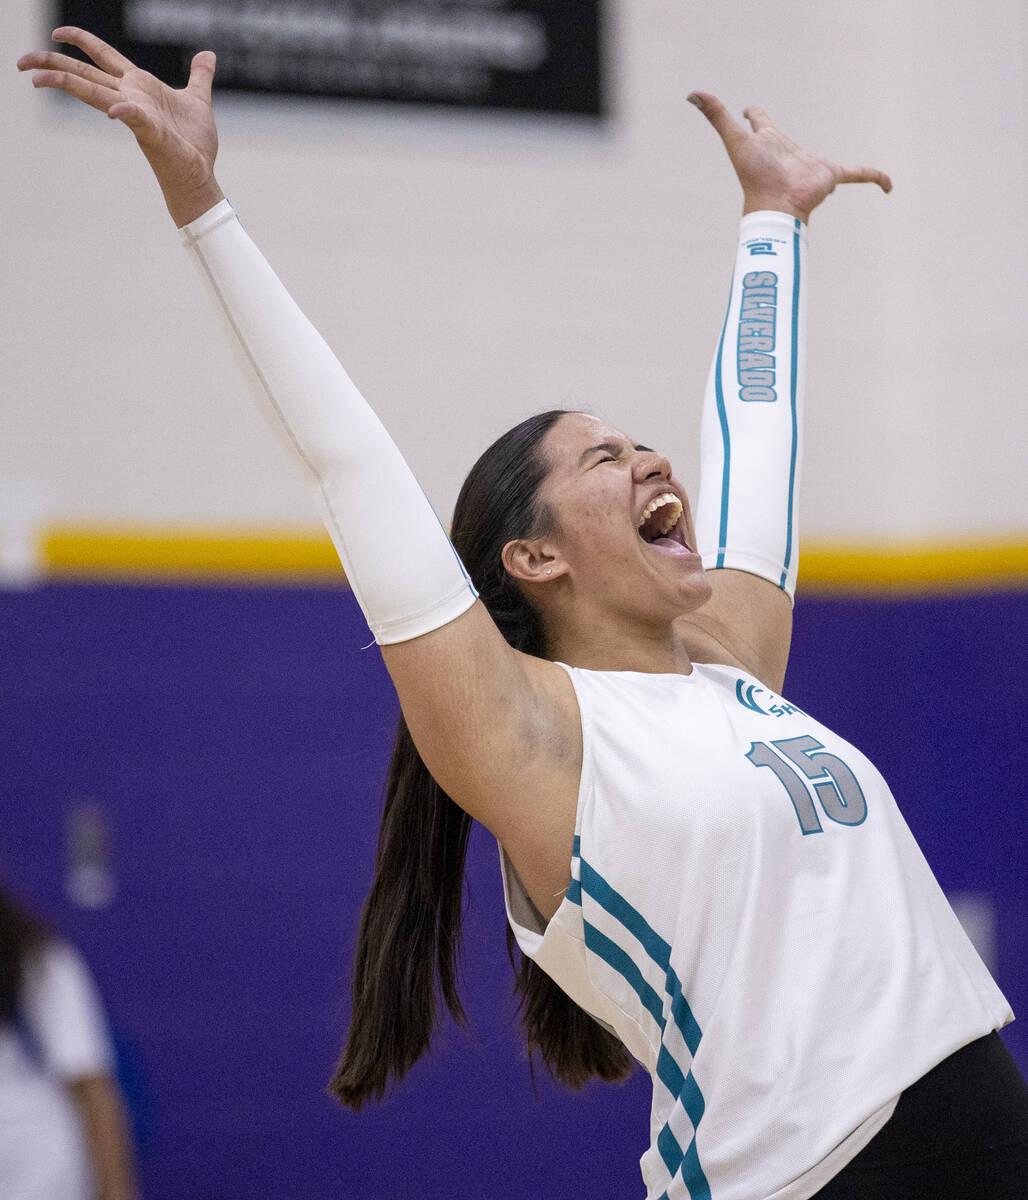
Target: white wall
{"x": 470, "y": 270}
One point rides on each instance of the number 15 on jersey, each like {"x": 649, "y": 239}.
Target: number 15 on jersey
{"x": 810, "y": 773}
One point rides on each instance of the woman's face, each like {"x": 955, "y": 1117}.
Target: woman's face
{"x": 623, "y": 524}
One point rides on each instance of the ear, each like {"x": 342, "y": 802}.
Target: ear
{"x": 533, "y": 561}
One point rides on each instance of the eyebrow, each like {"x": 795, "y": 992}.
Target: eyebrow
{"x": 610, "y": 448}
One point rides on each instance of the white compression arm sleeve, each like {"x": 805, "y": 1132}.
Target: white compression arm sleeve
{"x": 404, "y": 572}
{"x": 751, "y": 432}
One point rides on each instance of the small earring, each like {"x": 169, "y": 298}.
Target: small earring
{"x": 548, "y": 571}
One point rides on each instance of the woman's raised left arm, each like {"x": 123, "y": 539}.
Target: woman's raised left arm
{"x": 752, "y": 426}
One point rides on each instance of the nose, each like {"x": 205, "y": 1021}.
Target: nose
{"x": 651, "y": 465}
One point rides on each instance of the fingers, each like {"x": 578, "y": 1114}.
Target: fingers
{"x": 130, "y": 114}
{"x": 757, "y": 118}
{"x": 201, "y": 73}
{"x": 865, "y": 175}
{"x": 721, "y": 118}
{"x": 50, "y": 60}
{"x": 96, "y": 95}
{"x": 716, "y": 114}
{"x": 103, "y": 55}
{"x": 138, "y": 120}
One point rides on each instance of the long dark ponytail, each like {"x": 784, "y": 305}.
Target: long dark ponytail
{"x": 410, "y": 929}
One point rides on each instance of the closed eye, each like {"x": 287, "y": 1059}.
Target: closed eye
{"x": 615, "y": 451}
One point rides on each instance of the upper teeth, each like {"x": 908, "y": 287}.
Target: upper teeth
{"x": 667, "y": 520}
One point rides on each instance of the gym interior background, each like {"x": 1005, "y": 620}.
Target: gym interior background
{"x": 194, "y": 729}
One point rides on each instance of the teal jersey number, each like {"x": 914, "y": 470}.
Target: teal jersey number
{"x": 833, "y": 783}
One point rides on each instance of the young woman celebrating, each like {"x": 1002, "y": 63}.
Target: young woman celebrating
{"x": 700, "y": 876}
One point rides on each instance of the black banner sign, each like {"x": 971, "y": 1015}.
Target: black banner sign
{"x": 542, "y": 55}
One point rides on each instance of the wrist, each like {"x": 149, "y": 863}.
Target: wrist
{"x": 761, "y": 202}
{"x": 773, "y": 223}
{"x": 185, "y": 205}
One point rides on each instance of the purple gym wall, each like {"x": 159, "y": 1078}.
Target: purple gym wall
{"x": 235, "y": 740}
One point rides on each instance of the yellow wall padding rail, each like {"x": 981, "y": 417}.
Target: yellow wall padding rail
{"x": 303, "y": 556}
{"x": 915, "y": 567}
{"x": 186, "y": 555}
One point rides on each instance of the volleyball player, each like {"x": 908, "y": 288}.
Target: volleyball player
{"x": 700, "y": 876}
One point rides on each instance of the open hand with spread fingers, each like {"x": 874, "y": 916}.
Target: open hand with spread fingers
{"x": 174, "y": 127}
{"x": 774, "y": 172}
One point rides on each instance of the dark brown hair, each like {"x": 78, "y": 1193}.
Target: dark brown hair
{"x": 410, "y": 929}
{"x": 20, "y": 934}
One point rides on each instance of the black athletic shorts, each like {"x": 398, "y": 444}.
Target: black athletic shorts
{"x": 959, "y": 1133}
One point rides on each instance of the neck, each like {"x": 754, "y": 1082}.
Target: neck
{"x": 653, "y": 652}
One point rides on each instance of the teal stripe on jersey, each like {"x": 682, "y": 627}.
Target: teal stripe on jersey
{"x": 669, "y": 1072}
{"x": 574, "y": 892}
{"x": 593, "y": 883}
{"x": 792, "y": 394}
{"x": 623, "y": 912}
{"x": 670, "y": 1151}
{"x": 615, "y": 957}
{"x": 682, "y": 1013}
{"x": 692, "y": 1173}
{"x": 682, "y": 1087}
{"x": 726, "y": 441}
{"x": 691, "y": 1099}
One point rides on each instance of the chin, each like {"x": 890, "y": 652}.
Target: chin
{"x": 698, "y": 593}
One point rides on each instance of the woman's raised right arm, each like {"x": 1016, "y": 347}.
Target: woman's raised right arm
{"x": 174, "y": 127}
{"x": 466, "y": 693}
{"x": 399, "y": 561}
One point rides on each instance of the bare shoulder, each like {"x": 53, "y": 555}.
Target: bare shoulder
{"x": 746, "y": 623}
{"x": 501, "y": 734}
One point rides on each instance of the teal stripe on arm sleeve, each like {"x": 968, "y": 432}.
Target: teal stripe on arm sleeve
{"x": 726, "y": 440}
{"x": 793, "y": 381}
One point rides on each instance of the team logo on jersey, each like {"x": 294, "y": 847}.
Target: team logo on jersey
{"x": 770, "y": 706}
{"x": 761, "y": 248}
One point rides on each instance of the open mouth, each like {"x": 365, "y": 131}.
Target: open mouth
{"x": 662, "y": 524}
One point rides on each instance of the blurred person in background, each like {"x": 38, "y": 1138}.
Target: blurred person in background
{"x": 63, "y": 1131}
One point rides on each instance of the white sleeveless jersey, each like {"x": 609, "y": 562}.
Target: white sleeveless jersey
{"x": 751, "y": 916}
